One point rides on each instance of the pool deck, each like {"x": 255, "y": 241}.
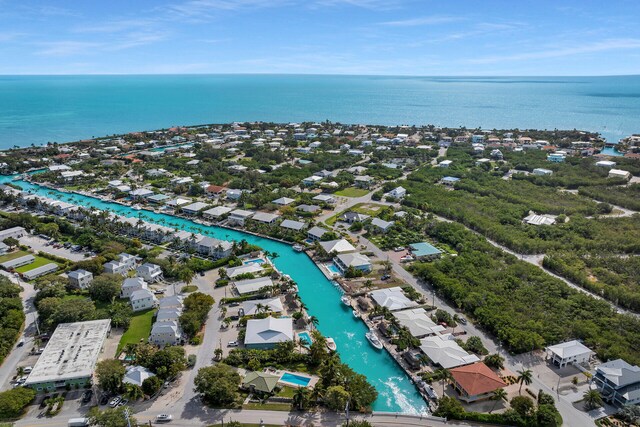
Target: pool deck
{"x": 313, "y": 379}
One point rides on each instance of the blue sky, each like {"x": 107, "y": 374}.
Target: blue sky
{"x": 392, "y": 37}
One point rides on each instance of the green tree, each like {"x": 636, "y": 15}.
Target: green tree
{"x": 111, "y": 417}
{"x": 474, "y": 345}
{"x": 13, "y": 402}
{"x": 358, "y": 423}
{"x": 449, "y": 407}
{"x": 105, "y": 287}
{"x": 498, "y": 395}
{"x": 336, "y": 398}
{"x": 151, "y": 385}
{"x": 218, "y": 384}
{"x": 300, "y": 398}
{"x": 525, "y": 376}
{"x": 523, "y": 405}
{"x": 318, "y": 349}
{"x": 133, "y": 392}
{"x": 11, "y": 242}
{"x": 592, "y": 399}
{"x": 110, "y": 373}
{"x": 494, "y": 361}
{"x": 548, "y": 416}
{"x": 168, "y": 362}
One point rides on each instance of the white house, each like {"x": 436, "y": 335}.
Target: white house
{"x": 339, "y": 246}
{"x": 392, "y": 298}
{"x": 214, "y": 248}
{"x": 136, "y": 375}
{"x": 150, "y": 272}
{"x": 619, "y": 173}
{"x": 194, "y": 208}
{"x": 444, "y": 351}
{"x": 570, "y": 352}
{"x": 418, "y": 322}
{"x": 353, "y": 260}
{"x": 293, "y": 225}
{"x": 311, "y": 180}
{"x": 445, "y": 163}
{"x": 267, "y": 333}
{"x": 250, "y": 308}
{"x": 239, "y": 216}
{"x": 252, "y": 286}
{"x": 216, "y": 213}
{"x": 606, "y": 164}
{"x": 165, "y": 333}
{"x": 542, "y": 172}
{"x": 115, "y": 267}
{"x": 324, "y": 198}
{"x": 397, "y": 193}
{"x": 142, "y": 299}
{"x": 130, "y": 285}
{"x": 80, "y": 278}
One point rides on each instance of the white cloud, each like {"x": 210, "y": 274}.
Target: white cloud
{"x": 426, "y": 20}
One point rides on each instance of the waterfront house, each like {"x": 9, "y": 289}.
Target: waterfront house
{"x": 178, "y": 202}
{"x": 130, "y": 285}
{"x": 570, "y": 352}
{"x": 357, "y": 261}
{"x": 252, "y": 286}
{"x": 475, "y": 382}
{"x": 239, "y": 216}
{"x": 392, "y": 298}
{"x": 80, "y": 278}
{"x": 194, "y": 208}
{"x": 265, "y": 217}
{"x": 425, "y": 251}
{"x": 316, "y": 233}
{"x": 212, "y": 247}
{"x": 619, "y": 173}
{"x": 293, "y": 225}
{"x": 216, "y": 213}
{"x": 339, "y": 246}
{"x": 381, "y": 225}
{"x": 150, "y": 272}
{"x": 267, "y": 333}
{"x": 142, "y": 299}
{"x": 140, "y": 193}
{"x": 618, "y": 382}
{"x": 252, "y": 268}
{"x": 445, "y": 352}
{"x": 418, "y": 322}
{"x": 253, "y": 307}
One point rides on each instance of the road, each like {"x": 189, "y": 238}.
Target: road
{"x": 8, "y": 368}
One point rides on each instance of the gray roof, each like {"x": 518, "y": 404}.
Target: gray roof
{"x": 269, "y": 330}
{"x": 317, "y": 231}
{"x": 293, "y": 225}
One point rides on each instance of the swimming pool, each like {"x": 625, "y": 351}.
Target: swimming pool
{"x": 254, "y": 261}
{"x": 305, "y": 337}
{"x": 299, "y": 380}
{"x": 333, "y": 269}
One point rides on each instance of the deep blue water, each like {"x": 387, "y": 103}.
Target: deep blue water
{"x": 37, "y": 109}
{"x": 396, "y": 392}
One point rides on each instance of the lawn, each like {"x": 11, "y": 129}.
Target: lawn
{"x": 38, "y": 262}
{"x": 13, "y": 255}
{"x": 352, "y": 192}
{"x": 371, "y": 209}
{"x": 268, "y": 406}
{"x": 188, "y": 288}
{"x": 139, "y": 329}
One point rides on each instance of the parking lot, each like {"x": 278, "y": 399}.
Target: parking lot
{"x": 38, "y": 243}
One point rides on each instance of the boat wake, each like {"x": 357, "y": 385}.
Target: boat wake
{"x": 394, "y": 397}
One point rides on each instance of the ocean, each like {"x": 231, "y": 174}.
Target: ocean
{"x": 39, "y": 109}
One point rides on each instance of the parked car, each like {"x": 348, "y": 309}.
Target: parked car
{"x": 27, "y": 369}
{"x": 163, "y": 418}
{"x": 462, "y": 320}
{"x": 123, "y": 402}
{"x": 86, "y": 396}
{"x": 398, "y": 249}
{"x": 114, "y": 402}
{"x": 202, "y": 273}
{"x": 21, "y": 342}
{"x": 104, "y": 399}
{"x": 406, "y": 258}
{"x": 233, "y": 344}
{"x": 385, "y": 277}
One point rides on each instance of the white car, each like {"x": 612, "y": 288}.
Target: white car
{"x": 114, "y": 402}
{"x": 406, "y": 258}
{"x": 164, "y": 418}
{"x": 27, "y": 369}
{"x": 233, "y": 344}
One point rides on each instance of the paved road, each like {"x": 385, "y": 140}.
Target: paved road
{"x": 8, "y": 368}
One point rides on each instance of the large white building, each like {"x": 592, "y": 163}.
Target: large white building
{"x": 80, "y": 278}
{"x": 150, "y": 272}
{"x": 570, "y": 352}
{"x": 267, "y": 333}
{"x": 130, "y": 285}
{"x": 142, "y": 299}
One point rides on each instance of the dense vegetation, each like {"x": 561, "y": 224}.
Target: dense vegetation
{"x": 520, "y": 304}
{"x": 13, "y": 402}
{"x": 11, "y": 315}
{"x": 627, "y": 197}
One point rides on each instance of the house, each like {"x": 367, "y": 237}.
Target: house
{"x": 214, "y": 190}
{"x": 136, "y": 375}
{"x": 392, "y": 298}
{"x": 130, "y": 285}
{"x": 311, "y": 180}
{"x": 40, "y": 271}
{"x": 174, "y": 301}
{"x": 216, "y": 213}
{"x": 252, "y": 268}
{"x": 239, "y": 216}
{"x": 80, "y": 279}
{"x": 168, "y": 314}
{"x": 140, "y": 193}
{"x": 214, "y": 248}
{"x": 233, "y": 194}
{"x": 618, "y": 382}
{"x": 475, "y": 382}
{"x": 178, "y": 202}
{"x": 444, "y": 351}
{"x": 17, "y": 262}
{"x": 570, "y": 352}
{"x": 357, "y": 261}
{"x": 339, "y": 246}
{"x": 542, "y": 172}
{"x": 158, "y": 198}
{"x": 194, "y": 208}
{"x": 265, "y": 217}
{"x": 364, "y": 181}
{"x": 293, "y": 225}
{"x": 425, "y": 251}
{"x": 619, "y": 173}
{"x": 142, "y": 299}
{"x": 252, "y": 286}
{"x": 316, "y": 233}
{"x": 445, "y": 163}
{"x": 116, "y": 267}
{"x": 534, "y": 219}
{"x": 165, "y": 333}
{"x": 351, "y": 217}
{"x": 262, "y": 382}
{"x": 418, "y": 322}
{"x": 253, "y": 307}
{"x": 324, "y": 198}
{"x": 15, "y": 232}
{"x": 381, "y": 225}
{"x": 556, "y": 157}
{"x": 308, "y": 208}
{"x": 283, "y": 201}
{"x": 268, "y": 332}
{"x": 449, "y": 181}
{"x": 397, "y": 193}
{"x": 150, "y": 272}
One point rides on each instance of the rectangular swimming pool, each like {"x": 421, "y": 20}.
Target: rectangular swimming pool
{"x": 254, "y": 261}
{"x": 305, "y": 338}
{"x": 290, "y": 378}
{"x": 333, "y": 269}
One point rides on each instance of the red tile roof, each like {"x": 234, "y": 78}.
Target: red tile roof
{"x": 476, "y": 379}
{"x": 214, "y": 189}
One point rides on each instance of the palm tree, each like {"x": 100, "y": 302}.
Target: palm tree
{"x": 498, "y": 395}
{"x": 133, "y": 392}
{"x": 445, "y": 378}
{"x": 217, "y": 353}
{"x": 300, "y": 398}
{"x": 592, "y": 399}
{"x": 313, "y": 320}
{"x": 525, "y": 376}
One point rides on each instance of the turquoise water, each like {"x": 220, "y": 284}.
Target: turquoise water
{"x": 295, "y": 379}
{"x": 37, "y": 109}
{"x": 254, "y": 261}
{"x": 396, "y": 393}
{"x": 611, "y": 151}
{"x": 306, "y": 338}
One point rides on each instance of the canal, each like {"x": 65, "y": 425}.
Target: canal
{"x": 396, "y": 392}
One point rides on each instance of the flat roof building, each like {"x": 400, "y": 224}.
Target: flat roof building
{"x": 40, "y": 271}
{"x": 70, "y": 355}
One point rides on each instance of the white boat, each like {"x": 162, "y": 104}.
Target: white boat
{"x": 374, "y": 340}
{"x": 298, "y": 248}
{"x": 136, "y": 207}
{"x": 346, "y": 300}
{"x": 331, "y": 344}
{"x": 355, "y": 314}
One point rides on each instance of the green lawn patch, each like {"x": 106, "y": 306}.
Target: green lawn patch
{"x": 13, "y": 255}
{"x": 268, "y": 406}
{"x": 287, "y": 392}
{"x": 139, "y": 329}
{"x": 352, "y": 192}
{"x": 38, "y": 262}
{"x": 188, "y": 288}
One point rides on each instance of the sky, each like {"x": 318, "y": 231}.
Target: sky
{"x": 373, "y": 37}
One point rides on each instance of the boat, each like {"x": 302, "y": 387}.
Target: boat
{"x": 136, "y": 207}
{"x": 331, "y": 344}
{"x": 374, "y": 340}
{"x": 355, "y": 314}
{"x": 298, "y": 248}
{"x": 346, "y": 300}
